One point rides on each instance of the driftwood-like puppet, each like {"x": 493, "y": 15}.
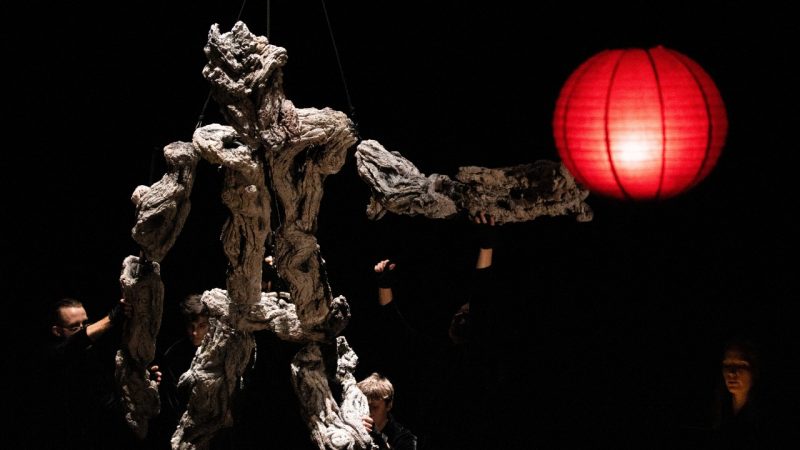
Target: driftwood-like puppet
{"x": 271, "y": 150}
{"x": 510, "y": 194}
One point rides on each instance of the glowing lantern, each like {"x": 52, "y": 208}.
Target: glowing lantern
{"x": 639, "y": 124}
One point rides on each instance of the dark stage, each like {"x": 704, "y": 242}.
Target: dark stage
{"x": 614, "y": 326}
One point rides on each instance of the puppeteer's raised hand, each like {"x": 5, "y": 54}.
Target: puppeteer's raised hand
{"x": 368, "y": 423}
{"x": 385, "y": 274}
{"x": 485, "y": 230}
{"x": 486, "y": 235}
{"x": 154, "y": 374}
{"x": 120, "y": 312}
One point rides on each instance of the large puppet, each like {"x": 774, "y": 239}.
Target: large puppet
{"x": 275, "y": 154}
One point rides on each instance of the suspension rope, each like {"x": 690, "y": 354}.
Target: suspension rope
{"x": 244, "y": 2}
{"x": 339, "y": 63}
{"x": 203, "y": 111}
{"x": 272, "y": 192}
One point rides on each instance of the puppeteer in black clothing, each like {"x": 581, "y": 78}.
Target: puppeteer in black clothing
{"x": 175, "y": 361}
{"x": 394, "y": 436}
{"x": 83, "y": 408}
{"x": 456, "y": 377}
{"x": 386, "y": 432}
{"x": 743, "y": 418}
{"x": 746, "y": 430}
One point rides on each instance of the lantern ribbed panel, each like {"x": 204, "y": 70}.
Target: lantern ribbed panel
{"x": 639, "y": 124}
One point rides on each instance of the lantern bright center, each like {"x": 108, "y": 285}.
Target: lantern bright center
{"x": 633, "y": 149}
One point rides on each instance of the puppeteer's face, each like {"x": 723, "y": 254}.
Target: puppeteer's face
{"x": 73, "y": 319}
{"x": 196, "y": 329}
{"x": 379, "y": 410}
{"x": 737, "y": 373}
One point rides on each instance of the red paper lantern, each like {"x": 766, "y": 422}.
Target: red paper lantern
{"x": 639, "y": 124}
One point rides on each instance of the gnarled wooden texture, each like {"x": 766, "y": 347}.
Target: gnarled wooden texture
{"x": 211, "y": 379}
{"x": 276, "y": 312}
{"x": 161, "y": 211}
{"x": 162, "y": 208}
{"x": 222, "y": 359}
{"x": 511, "y": 194}
{"x": 245, "y": 194}
{"x": 143, "y": 290}
{"x": 298, "y": 173}
{"x": 335, "y": 423}
{"x": 294, "y": 149}
{"x": 225, "y": 352}
{"x": 301, "y": 147}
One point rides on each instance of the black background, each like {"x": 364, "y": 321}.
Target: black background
{"x": 617, "y": 323}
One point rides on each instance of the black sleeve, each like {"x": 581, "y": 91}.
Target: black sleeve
{"x": 392, "y": 323}
{"x": 399, "y": 335}
{"x": 405, "y": 441}
{"x": 482, "y": 307}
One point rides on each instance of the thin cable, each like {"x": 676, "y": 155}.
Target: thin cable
{"x": 272, "y": 192}
{"x": 203, "y": 111}
{"x": 339, "y": 62}
{"x": 244, "y": 2}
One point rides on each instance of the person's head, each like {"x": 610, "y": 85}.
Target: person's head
{"x": 268, "y": 273}
{"x": 740, "y": 367}
{"x": 459, "y": 325}
{"x": 270, "y": 280}
{"x": 67, "y": 317}
{"x": 380, "y": 396}
{"x": 195, "y": 318}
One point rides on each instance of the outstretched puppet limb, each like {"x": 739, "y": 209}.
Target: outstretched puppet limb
{"x": 510, "y": 194}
